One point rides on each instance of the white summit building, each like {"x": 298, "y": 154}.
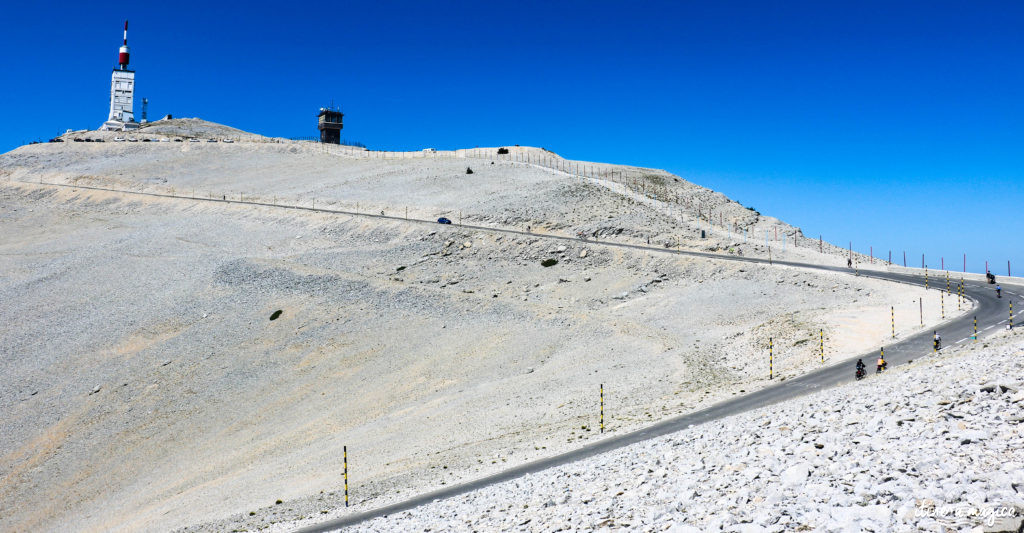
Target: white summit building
{"x": 122, "y": 93}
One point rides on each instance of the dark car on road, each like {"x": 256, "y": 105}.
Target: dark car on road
{"x": 443, "y": 220}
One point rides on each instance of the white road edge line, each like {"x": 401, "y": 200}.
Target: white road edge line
{"x": 988, "y": 328}
{"x": 961, "y": 340}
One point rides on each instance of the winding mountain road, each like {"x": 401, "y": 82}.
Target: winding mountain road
{"x": 991, "y": 313}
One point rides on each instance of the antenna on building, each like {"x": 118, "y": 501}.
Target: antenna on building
{"x": 145, "y": 106}
{"x": 122, "y": 92}
{"x": 329, "y": 122}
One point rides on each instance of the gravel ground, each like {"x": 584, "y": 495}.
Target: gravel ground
{"x": 931, "y": 446}
{"x": 145, "y": 386}
{"x": 517, "y": 190}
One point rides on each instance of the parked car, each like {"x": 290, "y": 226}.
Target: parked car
{"x": 193, "y": 140}
{"x": 119, "y": 139}
{"x": 443, "y": 220}
{"x": 211, "y": 140}
{"x": 165, "y": 140}
{"x": 178, "y": 140}
{"x": 228, "y": 141}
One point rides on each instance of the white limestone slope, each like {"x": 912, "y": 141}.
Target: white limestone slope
{"x": 936, "y": 445}
{"x": 145, "y": 387}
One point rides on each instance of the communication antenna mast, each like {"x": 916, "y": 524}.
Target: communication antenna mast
{"x": 145, "y": 106}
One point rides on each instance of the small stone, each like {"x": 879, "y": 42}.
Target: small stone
{"x": 583, "y": 253}
{"x": 795, "y": 475}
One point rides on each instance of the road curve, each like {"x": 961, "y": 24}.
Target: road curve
{"x": 991, "y": 313}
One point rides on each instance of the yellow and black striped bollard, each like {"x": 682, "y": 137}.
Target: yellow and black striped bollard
{"x": 926, "y": 277}
{"x": 821, "y": 334}
{"x": 1011, "y": 314}
{"x": 602, "y": 408}
{"x": 771, "y": 362}
{"x": 975, "y": 327}
{"x": 942, "y": 300}
{"x": 892, "y": 311}
{"x": 345, "y": 452}
{"x": 947, "y": 282}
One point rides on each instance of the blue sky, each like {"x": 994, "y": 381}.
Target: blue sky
{"x": 897, "y": 125}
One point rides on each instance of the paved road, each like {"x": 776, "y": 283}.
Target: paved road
{"x": 991, "y": 314}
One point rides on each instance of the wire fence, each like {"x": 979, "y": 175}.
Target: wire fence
{"x": 727, "y": 220}
{"x": 342, "y": 142}
{"x": 355, "y": 208}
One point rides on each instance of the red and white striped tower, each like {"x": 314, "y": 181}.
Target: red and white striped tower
{"x": 122, "y": 92}
{"x": 122, "y": 55}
